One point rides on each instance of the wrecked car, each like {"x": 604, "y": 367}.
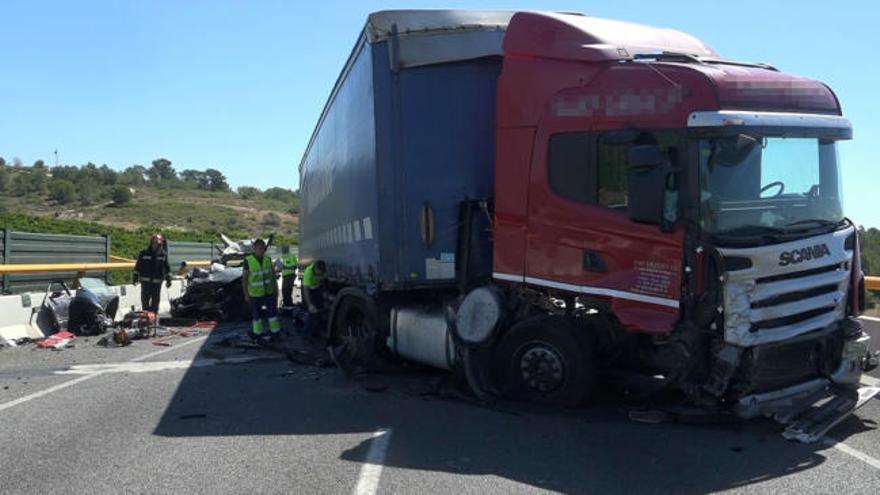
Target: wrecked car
{"x": 216, "y": 293}
{"x": 88, "y": 310}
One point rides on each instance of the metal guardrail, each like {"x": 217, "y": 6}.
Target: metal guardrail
{"x": 28, "y": 248}
{"x": 80, "y": 267}
{"x": 872, "y": 283}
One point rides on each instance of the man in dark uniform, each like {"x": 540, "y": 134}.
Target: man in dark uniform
{"x": 151, "y": 269}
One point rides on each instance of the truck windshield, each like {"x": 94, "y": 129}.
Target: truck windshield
{"x": 753, "y": 185}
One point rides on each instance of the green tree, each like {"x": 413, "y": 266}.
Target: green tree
{"x": 248, "y": 192}
{"x": 37, "y": 181}
{"x": 133, "y": 176}
{"x": 39, "y": 164}
{"x": 63, "y": 191}
{"x": 65, "y": 172}
{"x": 21, "y": 184}
{"x": 162, "y": 173}
{"x": 194, "y": 179}
{"x": 271, "y": 219}
{"x": 216, "y": 180}
{"x": 109, "y": 177}
{"x": 4, "y": 177}
{"x": 89, "y": 192}
{"x": 870, "y": 250}
{"x": 280, "y": 194}
{"x": 121, "y": 195}
{"x": 89, "y": 172}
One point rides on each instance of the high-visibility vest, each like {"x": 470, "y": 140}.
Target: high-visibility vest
{"x": 288, "y": 267}
{"x": 260, "y": 280}
{"x": 310, "y": 279}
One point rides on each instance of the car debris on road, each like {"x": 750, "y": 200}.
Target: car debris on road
{"x": 58, "y": 341}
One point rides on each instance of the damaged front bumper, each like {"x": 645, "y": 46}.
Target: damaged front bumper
{"x": 810, "y": 409}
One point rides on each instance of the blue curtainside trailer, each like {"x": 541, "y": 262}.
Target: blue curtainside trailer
{"x": 405, "y": 140}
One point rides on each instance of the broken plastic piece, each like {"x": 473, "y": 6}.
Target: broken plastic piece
{"x": 58, "y": 341}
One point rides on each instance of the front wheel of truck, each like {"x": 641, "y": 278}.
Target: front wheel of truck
{"x": 353, "y": 331}
{"x": 546, "y": 360}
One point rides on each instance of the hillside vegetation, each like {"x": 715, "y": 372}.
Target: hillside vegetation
{"x": 140, "y": 200}
{"x": 871, "y": 260}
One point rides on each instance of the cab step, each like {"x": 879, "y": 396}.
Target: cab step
{"x": 809, "y": 420}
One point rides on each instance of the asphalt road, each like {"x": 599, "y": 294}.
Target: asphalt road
{"x": 201, "y": 418}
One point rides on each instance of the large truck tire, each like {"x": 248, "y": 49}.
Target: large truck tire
{"x": 354, "y": 331}
{"x": 545, "y": 360}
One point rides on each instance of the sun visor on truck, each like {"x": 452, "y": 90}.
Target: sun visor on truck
{"x": 439, "y": 36}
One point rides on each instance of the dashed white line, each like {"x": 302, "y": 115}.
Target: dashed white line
{"x": 870, "y": 381}
{"x": 858, "y": 454}
{"x": 36, "y": 395}
{"x": 371, "y": 471}
{"x": 62, "y": 386}
{"x": 139, "y": 367}
{"x": 167, "y": 349}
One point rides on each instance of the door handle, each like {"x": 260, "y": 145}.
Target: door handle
{"x": 593, "y": 262}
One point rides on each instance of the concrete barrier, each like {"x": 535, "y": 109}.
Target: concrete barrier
{"x": 16, "y": 311}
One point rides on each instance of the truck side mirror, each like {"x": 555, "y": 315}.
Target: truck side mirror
{"x": 646, "y": 184}
{"x": 645, "y": 155}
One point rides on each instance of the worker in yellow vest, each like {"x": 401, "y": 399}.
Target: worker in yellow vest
{"x": 288, "y": 276}
{"x": 260, "y": 290}
{"x": 313, "y": 295}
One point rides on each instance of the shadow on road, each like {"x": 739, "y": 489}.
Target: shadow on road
{"x": 597, "y": 449}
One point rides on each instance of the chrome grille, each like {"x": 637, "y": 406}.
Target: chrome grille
{"x": 768, "y": 302}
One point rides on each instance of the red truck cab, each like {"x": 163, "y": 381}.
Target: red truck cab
{"x": 687, "y": 199}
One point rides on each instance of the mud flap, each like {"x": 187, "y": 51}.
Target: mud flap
{"x": 808, "y": 420}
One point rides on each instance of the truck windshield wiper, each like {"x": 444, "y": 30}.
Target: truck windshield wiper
{"x": 819, "y": 222}
{"x": 754, "y": 230}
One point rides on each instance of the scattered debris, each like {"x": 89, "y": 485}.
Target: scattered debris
{"x": 178, "y": 322}
{"x": 139, "y": 320}
{"x": 197, "y": 329}
{"x": 60, "y": 340}
{"x": 124, "y": 336}
{"x": 308, "y": 359}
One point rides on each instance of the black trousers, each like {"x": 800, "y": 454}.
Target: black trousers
{"x": 150, "y": 296}
{"x": 287, "y": 290}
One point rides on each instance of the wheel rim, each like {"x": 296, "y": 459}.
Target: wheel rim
{"x": 354, "y": 333}
{"x": 541, "y": 368}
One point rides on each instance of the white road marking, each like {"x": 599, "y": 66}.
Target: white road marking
{"x": 62, "y": 386}
{"x": 138, "y": 367}
{"x": 36, "y": 395}
{"x": 858, "y": 454}
{"x": 371, "y": 471}
{"x": 167, "y": 349}
{"x": 870, "y": 318}
{"x": 870, "y": 381}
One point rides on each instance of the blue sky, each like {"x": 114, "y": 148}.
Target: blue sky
{"x": 238, "y": 85}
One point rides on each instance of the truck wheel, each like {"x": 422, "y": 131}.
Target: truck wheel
{"x": 544, "y": 360}
{"x": 352, "y": 333}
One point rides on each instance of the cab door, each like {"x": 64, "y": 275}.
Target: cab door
{"x": 580, "y": 239}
